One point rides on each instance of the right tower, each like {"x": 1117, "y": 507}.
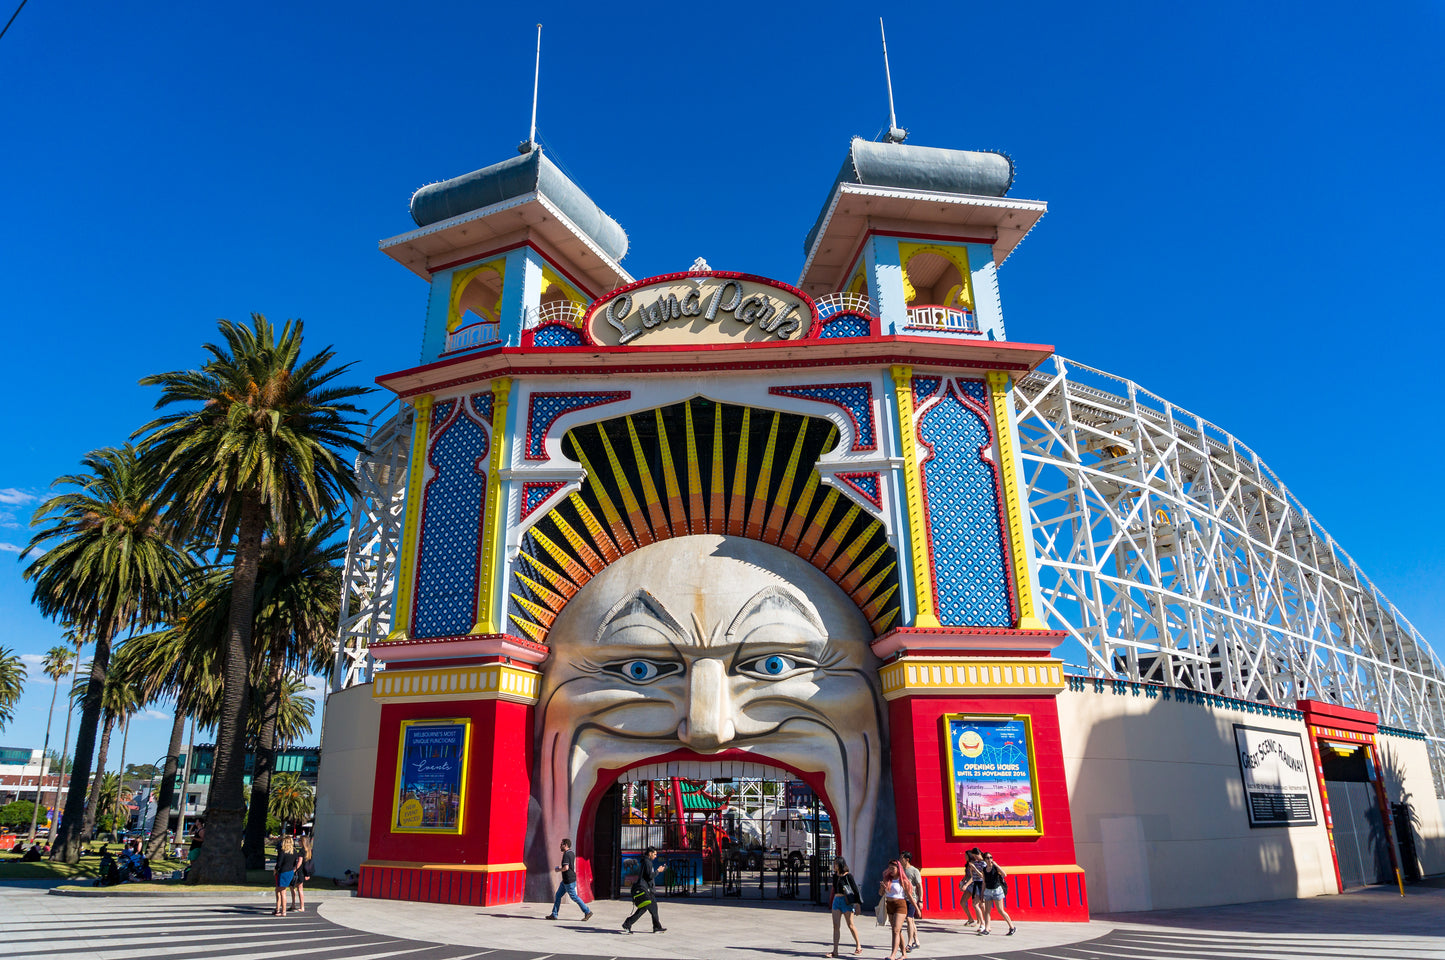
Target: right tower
{"x": 908, "y": 243}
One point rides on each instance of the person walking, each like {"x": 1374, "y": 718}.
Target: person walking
{"x": 895, "y": 890}
{"x": 994, "y": 891}
{"x": 303, "y": 874}
{"x": 846, "y": 902}
{"x": 286, "y": 861}
{"x": 973, "y": 885}
{"x": 568, "y": 882}
{"x": 915, "y": 903}
{"x": 644, "y": 893}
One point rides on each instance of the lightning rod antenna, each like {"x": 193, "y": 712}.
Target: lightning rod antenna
{"x": 530, "y": 143}
{"x": 895, "y": 133}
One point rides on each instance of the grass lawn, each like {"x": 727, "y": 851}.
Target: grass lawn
{"x": 84, "y": 872}
{"x": 12, "y": 869}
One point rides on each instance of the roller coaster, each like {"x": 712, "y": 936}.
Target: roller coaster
{"x": 1167, "y": 549}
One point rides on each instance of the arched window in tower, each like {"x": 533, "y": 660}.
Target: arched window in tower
{"x": 476, "y": 306}
{"x": 938, "y": 288}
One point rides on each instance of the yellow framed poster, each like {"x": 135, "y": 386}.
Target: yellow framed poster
{"x": 992, "y": 776}
{"x": 431, "y": 776}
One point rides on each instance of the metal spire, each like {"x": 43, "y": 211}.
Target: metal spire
{"x": 895, "y": 133}
{"x": 530, "y": 144}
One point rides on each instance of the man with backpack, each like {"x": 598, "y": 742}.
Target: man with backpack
{"x": 644, "y": 893}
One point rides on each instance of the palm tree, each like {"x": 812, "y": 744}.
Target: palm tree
{"x": 111, "y": 795}
{"x": 292, "y": 799}
{"x": 258, "y": 443}
{"x": 106, "y": 561}
{"x": 12, "y": 684}
{"x": 76, "y": 639}
{"x": 56, "y": 665}
{"x": 118, "y": 701}
{"x": 181, "y": 662}
{"x": 298, "y": 603}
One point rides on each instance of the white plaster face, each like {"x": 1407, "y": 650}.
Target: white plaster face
{"x": 707, "y": 644}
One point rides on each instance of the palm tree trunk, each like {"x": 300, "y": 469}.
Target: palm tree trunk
{"x": 92, "y": 806}
{"x": 221, "y": 859}
{"x": 255, "y": 846}
{"x": 65, "y": 744}
{"x": 120, "y": 767}
{"x": 72, "y": 824}
{"x": 44, "y": 755}
{"x": 186, "y": 775}
{"x": 156, "y": 845}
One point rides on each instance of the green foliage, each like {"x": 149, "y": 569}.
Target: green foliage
{"x": 12, "y": 684}
{"x": 292, "y": 799}
{"x": 17, "y": 815}
{"x": 141, "y": 771}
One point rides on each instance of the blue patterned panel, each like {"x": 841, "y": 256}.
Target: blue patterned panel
{"x": 482, "y": 404}
{"x": 446, "y": 576}
{"x": 975, "y": 390}
{"x": 923, "y": 388}
{"x": 557, "y": 335}
{"x": 960, "y": 494}
{"x": 856, "y": 399}
{"x": 545, "y": 408}
{"x": 845, "y": 325}
{"x": 439, "y": 414}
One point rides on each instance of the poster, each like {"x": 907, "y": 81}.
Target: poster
{"x": 991, "y": 776}
{"x": 431, "y": 775}
{"x": 1276, "y": 773}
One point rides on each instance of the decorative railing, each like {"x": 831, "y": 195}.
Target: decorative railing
{"x": 475, "y": 335}
{"x": 839, "y": 302}
{"x": 942, "y": 319}
{"x": 558, "y": 311}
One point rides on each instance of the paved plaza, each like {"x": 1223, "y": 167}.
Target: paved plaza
{"x": 1374, "y": 923}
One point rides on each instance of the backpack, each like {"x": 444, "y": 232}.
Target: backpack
{"x": 640, "y": 895}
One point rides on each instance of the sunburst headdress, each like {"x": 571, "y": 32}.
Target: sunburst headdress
{"x": 701, "y": 467}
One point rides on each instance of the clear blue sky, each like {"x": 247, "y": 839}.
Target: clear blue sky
{"x": 1245, "y": 202}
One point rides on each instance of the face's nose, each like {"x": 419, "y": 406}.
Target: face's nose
{"x": 709, "y": 723}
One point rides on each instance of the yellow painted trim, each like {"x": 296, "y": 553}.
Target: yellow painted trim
{"x": 911, "y": 676}
{"x": 998, "y": 387}
{"x": 461, "y": 278}
{"x": 1033, "y": 870}
{"x": 923, "y": 615}
{"x": 486, "y": 681}
{"x": 471, "y": 867}
{"x": 461, "y": 786}
{"x": 487, "y": 620}
{"x": 950, "y": 802}
{"x": 956, "y": 255}
{"x": 406, "y": 563}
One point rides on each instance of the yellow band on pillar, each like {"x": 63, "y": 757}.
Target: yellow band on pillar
{"x": 487, "y": 619}
{"x": 923, "y": 615}
{"x": 406, "y": 563}
{"x": 998, "y": 386}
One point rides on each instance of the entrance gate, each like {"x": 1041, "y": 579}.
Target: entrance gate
{"x": 766, "y": 837}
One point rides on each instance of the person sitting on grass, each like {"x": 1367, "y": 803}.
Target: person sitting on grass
{"x": 107, "y": 875}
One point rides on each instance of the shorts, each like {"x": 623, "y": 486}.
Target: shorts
{"x": 840, "y": 903}
{"x": 974, "y": 890}
{"x": 896, "y": 906}
{"x": 913, "y": 913}
{"x": 283, "y": 879}
{"x": 993, "y": 893}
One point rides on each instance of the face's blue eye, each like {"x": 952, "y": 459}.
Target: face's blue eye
{"x": 641, "y": 671}
{"x": 775, "y": 665}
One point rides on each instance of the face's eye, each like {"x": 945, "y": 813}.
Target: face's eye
{"x": 641, "y": 671}
{"x": 773, "y": 665}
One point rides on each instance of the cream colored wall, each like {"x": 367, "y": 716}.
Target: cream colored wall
{"x": 1407, "y": 777}
{"x": 344, "y": 786}
{"x": 1159, "y": 809}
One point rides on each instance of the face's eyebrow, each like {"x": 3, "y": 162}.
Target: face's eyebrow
{"x": 780, "y": 599}
{"x": 643, "y": 605}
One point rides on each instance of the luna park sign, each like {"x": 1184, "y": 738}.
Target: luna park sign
{"x": 698, "y": 308}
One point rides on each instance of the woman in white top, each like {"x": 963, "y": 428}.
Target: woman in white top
{"x": 896, "y": 891}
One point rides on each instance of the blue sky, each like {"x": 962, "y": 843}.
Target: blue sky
{"x": 1245, "y": 202}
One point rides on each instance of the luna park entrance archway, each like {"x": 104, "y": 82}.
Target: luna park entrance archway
{"x": 725, "y": 829}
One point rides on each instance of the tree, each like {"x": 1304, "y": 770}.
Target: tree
{"x": 12, "y": 684}
{"x": 298, "y": 603}
{"x": 55, "y": 665}
{"x": 257, "y": 442}
{"x": 292, "y": 799}
{"x": 111, "y": 799}
{"x": 17, "y": 814}
{"x": 77, "y": 639}
{"x": 117, "y": 702}
{"x": 141, "y": 771}
{"x": 107, "y": 561}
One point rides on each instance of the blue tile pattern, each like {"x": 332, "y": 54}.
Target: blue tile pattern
{"x": 865, "y": 483}
{"x": 923, "y": 388}
{"x": 960, "y": 492}
{"x": 535, "y": 493}
{"x": 856, "y": 400}
{"x": 845, "y": 325}
{"x": 544, "y": 409}
{"x": 557, "y": 335}
{"x": 446, "y": 576}
{"x": 482, "y": 404}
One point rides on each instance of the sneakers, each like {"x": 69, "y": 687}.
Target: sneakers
{"x": 659, "y": 929}
{"x": 585, "y": 916}
{"x": 626, "y": 928}
{"x": 551, "y": 916}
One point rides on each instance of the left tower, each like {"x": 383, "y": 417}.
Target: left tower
{"x": 514, "y": 253}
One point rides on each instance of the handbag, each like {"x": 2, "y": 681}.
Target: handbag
{"x": 882, "y": 912}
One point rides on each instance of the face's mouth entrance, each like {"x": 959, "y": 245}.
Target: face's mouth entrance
{"x": 724, "y": 826}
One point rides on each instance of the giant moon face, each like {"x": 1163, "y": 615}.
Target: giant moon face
{"x": 709, "y": 644}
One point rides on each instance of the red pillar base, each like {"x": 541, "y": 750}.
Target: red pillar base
{"x": 476, "y": 886}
